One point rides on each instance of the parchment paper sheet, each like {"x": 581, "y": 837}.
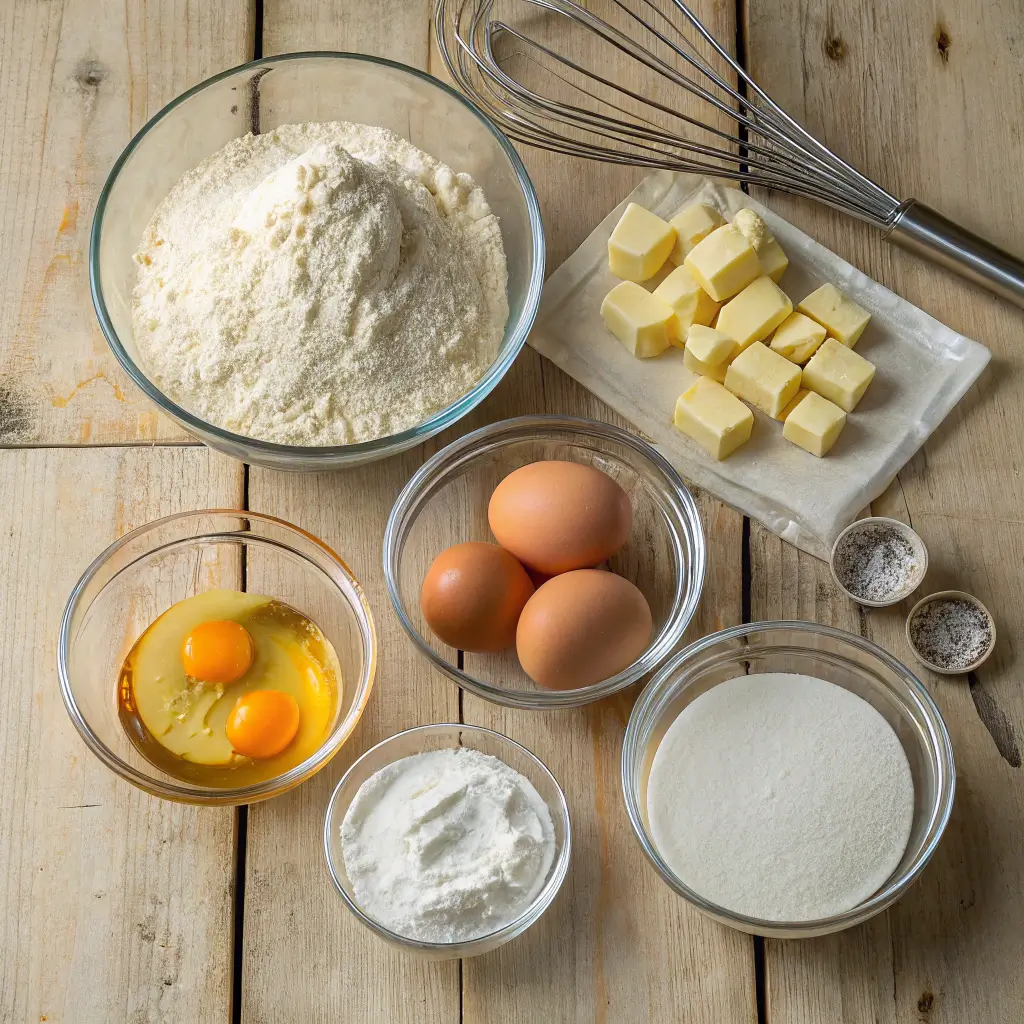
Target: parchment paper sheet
{"x": 923, "y": 369}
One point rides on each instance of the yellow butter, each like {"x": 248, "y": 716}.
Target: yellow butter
{"x": 773, "y": 260}
{"x": 710, "y": 346}
{"x": 715, "y": 419}
{"x": 691, "y": 362}
{"x": 763, "y": 378}
{"x": 708, "y": 352}
{"x": 639, "y": 244}
{"x": 797, "y": 338}
{"x": 639, "y": 320}
{"x": 690, "y": 303}
{"x": 841, "y": 317}
{"x": 693, "y": 224}
{"x": 754, "y": 313}
{"x": 839, "y": 374}
{"x": 815, "y": 424}
{"x": 800, "y": 396}
{"x": 723, "y": 263}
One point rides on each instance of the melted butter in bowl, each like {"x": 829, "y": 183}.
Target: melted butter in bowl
{"x": 181, "y": 723}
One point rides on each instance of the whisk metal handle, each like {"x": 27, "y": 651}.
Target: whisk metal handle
{"x": 920, "y": 229}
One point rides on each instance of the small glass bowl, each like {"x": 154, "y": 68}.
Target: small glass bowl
{"x": 808, "y": 649}
{"x": 445, "y": 503}
{"x": 290, "y": 88}
{"x": 141, "y": 575}
{"x": 442, "y": 737}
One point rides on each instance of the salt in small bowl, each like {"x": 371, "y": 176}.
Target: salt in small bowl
{"x": 912, "y": 537}
{"x": 951, "y": 595}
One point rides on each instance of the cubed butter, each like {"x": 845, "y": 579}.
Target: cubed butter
{"x": 800, "y": 396}
{"x": 841, "y": 317}
{"x": 640, "y": 244}
{"x": 708, "y": 352}
{"x": 754, "y": 313}
{"x": 693, "y": 224}
{"x": 815, "y": 424}
{"x": 723, "y": 263}
{"x": 710, "y": 346}
{"x": 716, "y": 420}
{"x": 690, "y": 303}
{"x": 640, "y": 321}
{"x": 797, "y": 338}
{"x": 839, "y": 374}
{"x": 773, "y": 260}
{"x": 763, "y": 378}
{"x": 691, "y": 362}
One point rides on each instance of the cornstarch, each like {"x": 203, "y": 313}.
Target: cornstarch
{"x": 447, "y": 846}
{"x": 320, "y": 284}
{"x": 781, "y": 797}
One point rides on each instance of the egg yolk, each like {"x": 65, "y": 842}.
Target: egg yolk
{"x": 217, "y": 651}
{"x": 262, "y": 723}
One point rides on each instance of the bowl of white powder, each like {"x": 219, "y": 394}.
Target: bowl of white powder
{"x": 787, "y": 779}
{"x": 447, "y": 840}
{"x": 317, "y": 260}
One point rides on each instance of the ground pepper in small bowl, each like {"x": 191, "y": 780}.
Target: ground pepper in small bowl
{"x": 878, "y": 561}
{"x": 951, "y": 632}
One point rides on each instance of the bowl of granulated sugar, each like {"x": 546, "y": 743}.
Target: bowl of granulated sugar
{"x": 878, "y": 561}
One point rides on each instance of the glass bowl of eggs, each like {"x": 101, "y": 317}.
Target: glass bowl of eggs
{"x": 216, "y": 657}
{"x": 545, "y": 561}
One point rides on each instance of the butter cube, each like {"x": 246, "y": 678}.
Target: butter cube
{"x": 723, "y": 263}
{"x": 640, "y": 244}
{"x": 710, "y": 346}
{"x": 839, "y": 374}
{"x": 708, "y": 352}
{"x": 815, "y": 424}
{"x": 773, "y": 260}
{"x": 763, "y": 378}
{"x": 693, "y": 224}
{"x": 691, "y": 362}
{"x": 840, "y": 316}
{"x": 800, "y": 396}
{"x": 754, "y": 313}
{"x": 690, "y": 303}
{"x": 716, "y": 420}
{"x": 640, "y": 321}
{"x": 797, "y": 338}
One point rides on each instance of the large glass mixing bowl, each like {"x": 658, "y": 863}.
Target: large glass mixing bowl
{"x": 292, "y": 88}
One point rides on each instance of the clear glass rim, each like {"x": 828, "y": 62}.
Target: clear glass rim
{"x": 530, "y": 914}
{"x": 360, "y": 450}
{"x": 183, "y": 793}
{"x": 940, "y": 747}
{"x": 450, "y": 458}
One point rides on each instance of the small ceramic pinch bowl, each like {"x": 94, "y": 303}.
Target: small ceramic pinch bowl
{"x": 446, "y": 501}
{"x": 140, "y": 576}
{"x": 951, "y": 595}
{"x": 805, "y": 648}
{"x": 444, "y": 737}
{"x": 911, "y": 536}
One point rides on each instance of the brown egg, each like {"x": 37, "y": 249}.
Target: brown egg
{"x": 582, "y": 627}
{"x": 557, "y": 516}
{"x": 472, "y": 596}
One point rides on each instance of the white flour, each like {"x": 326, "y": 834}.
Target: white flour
{"x": 320, "y": 284}
{"x": 447, "y": 846}
{"x": 782, "y": 797}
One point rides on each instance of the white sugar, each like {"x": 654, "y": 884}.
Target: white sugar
{"x": 781, "y": 797}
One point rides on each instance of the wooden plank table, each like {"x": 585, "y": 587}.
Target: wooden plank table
{"x": 117, "y": 907}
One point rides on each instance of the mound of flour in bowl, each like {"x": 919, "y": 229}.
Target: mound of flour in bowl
{"x": 320, "y": 284}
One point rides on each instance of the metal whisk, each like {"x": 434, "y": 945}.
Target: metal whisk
{"x": 575, "y": 108}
